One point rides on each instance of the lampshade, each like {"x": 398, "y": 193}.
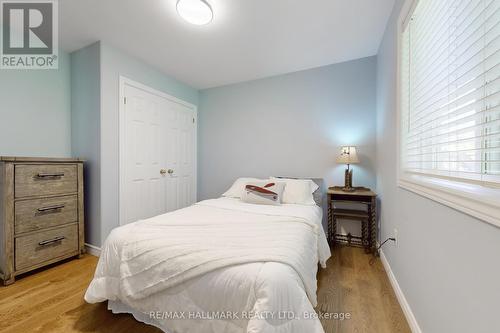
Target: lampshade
{"x": 348, "y": 155}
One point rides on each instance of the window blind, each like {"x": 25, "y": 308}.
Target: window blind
{"x": 450, "y": 90}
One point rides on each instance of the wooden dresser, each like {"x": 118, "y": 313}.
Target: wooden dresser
{"x": 41, "y": 213}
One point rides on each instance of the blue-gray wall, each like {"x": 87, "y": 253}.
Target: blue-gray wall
{"x": 86, "y": 131}
{"x": 288, "y": 125}
{"x": 35, "y": 111}
{"x": 447, "y": 263}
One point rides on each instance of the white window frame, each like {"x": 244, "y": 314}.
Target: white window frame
{"x": 472, "y": 198}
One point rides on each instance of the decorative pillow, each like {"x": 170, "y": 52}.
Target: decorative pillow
{"x": 318, "y": 195}
{"x": 298, "y": 191}
{"x": 263, "y": 193}
{"x": 236, "y": 190}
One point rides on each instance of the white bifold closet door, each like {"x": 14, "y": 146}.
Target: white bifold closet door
{"x": 158, "y": 147}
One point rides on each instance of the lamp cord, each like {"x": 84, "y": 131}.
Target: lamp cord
{"x": 372, "y": 260}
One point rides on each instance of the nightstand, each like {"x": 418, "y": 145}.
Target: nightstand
{"x": 367, "y": 217}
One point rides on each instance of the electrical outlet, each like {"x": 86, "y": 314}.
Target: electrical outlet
{"x": 396, "y": 236}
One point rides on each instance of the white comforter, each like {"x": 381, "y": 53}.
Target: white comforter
{"x": 257, "y": 262}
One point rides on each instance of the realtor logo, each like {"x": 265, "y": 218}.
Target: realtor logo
{"x": 29, "y": 34}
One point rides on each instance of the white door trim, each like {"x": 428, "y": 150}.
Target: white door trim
{"x": 124, "y": 81}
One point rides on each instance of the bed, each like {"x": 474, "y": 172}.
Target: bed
{"x": 221, "y": 265}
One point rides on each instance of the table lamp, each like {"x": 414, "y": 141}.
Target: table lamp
{"x": 348, "y": 156}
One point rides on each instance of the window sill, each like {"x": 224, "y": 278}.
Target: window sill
{"x": 478, "y": 201}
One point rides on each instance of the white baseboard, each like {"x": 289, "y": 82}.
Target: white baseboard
{"x": 93, "y": 250}
{"x": 412, "y": 321}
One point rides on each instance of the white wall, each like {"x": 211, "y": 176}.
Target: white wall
{"x": 288, "y": 125}
{"x": 447, "y": 263}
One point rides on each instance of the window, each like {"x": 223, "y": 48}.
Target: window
{"x": 451, "y": 90}
{"x": 450, "y": 93}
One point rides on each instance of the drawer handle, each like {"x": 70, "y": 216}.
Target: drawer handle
{"x": 50, "y": 241}
{"x": 51, "y": 208}
{"x": 42, "y": 175}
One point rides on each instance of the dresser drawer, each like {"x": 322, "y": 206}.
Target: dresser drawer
{"x": 40, "y": 180}
{"x": 45, "y": 245}
{"x": 38, "y": 214}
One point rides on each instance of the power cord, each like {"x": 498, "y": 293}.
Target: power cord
{"x": 372, "y": 260}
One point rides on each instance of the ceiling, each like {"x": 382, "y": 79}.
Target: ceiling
{"x": 248, "y": 39}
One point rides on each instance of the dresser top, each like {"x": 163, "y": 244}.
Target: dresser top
{"x": 40, "y": 159}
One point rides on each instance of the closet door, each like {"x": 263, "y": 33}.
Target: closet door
{"x": 158, "y": 154}
{"x": 181, "y": 135}
{"x": 187, "y": 156}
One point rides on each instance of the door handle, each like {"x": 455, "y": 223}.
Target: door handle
{"x": 164, "y": 171}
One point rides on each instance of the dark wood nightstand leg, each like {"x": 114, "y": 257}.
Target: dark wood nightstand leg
{"x": 334, "y": 229}
{"x": 373, "y": 226}
{"x": 364, "y": 235}
{"x": 331, "y": 222}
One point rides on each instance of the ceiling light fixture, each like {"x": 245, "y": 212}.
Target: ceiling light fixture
{"x": 196, "y": 12}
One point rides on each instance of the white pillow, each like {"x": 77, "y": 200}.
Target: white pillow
{"x": 263, "y": 193}
{"x": 298, "y": 191}
{"x": 236, "y": 190}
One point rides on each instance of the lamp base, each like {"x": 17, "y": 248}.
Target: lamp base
{"x": 348, "y": 180}
{"x": 348, "y": 189}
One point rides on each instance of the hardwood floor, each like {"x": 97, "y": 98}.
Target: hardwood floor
{"x": 52, "y": 300}
{"x": 351, "y": 285}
